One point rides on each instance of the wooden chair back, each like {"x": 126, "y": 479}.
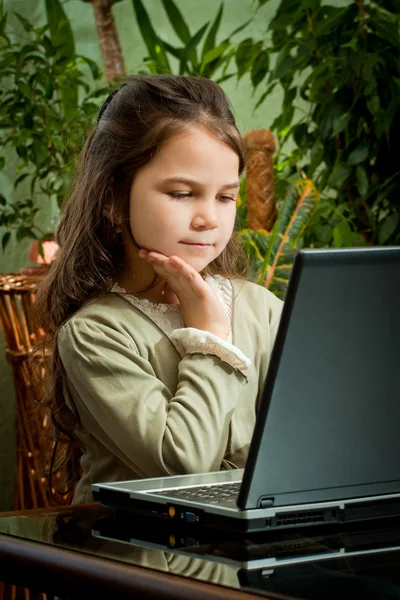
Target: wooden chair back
{"x": 35, "y": 434}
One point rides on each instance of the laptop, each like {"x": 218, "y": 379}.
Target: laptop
{"x": 326, "y": 444}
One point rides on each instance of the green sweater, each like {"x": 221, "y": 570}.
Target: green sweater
{"x": 145, "y": 410}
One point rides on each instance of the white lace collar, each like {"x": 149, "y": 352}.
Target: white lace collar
{"x": 168, "y": 316}
{"x": 221, "y": 286}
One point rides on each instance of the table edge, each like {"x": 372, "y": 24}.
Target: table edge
{"x": 37, "y": 565}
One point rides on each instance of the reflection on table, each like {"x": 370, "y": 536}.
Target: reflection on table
{"x": 357, "y": 561}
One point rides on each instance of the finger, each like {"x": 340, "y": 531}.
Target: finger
{"x": 190, "y": 275}
{"x": 177, "y": 272}
{"x": 163, "y": 262}
{"x": 161, "y": 266}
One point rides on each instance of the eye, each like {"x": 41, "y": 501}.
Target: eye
{"x": 227, "y": 199}
{"x": 179, "y": 195}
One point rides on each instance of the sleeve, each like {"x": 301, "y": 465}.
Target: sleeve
{"x": 134, "y": 415}
{"x": 194, "y": 341}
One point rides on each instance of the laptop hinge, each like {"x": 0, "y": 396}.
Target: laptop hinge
{"x": 266, "y": 502}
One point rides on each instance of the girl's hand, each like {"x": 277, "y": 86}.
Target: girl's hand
{"x": 199, "y": 305}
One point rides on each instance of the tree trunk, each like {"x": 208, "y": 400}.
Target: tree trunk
{"x": 109, "y": 42}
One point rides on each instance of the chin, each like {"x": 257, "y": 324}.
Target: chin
{"x": 197, "y": 265}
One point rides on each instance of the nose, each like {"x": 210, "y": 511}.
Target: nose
{"x": 205, "y": 215}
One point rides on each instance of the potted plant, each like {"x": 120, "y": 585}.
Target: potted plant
{"x": 46, "y": 107}
{"x": 338, "y": 69}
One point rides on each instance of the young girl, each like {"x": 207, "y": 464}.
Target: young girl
{"x": 159, "y": 345}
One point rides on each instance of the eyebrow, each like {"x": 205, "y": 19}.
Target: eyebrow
{"x": 236, "y": 184}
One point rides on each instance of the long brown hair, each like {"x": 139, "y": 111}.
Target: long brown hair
{"x": 132, "y": 125}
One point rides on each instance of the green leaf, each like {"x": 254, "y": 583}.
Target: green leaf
{"x": 284, "y": 66}
{"x": 176, "y": 52}
{"x": 28, "y": 120}
{"x": 191, "y": 47}
{"x": 362, "y": 181}
{"x": 244, "y": 57}
{"x": 177, "y": 21}
{"x": 283, "y": 18}
{"x": 340, "y": 124}
{"x": 386, "y": 24}
{"x": 388, "y": 227}
{"x": 237, "y": 30}
{"x": 296, "y": 213}
{"x": 24, "y": 232}
{"x": 300, "y": 135}
{"x": 151, "y": 40}
{"x": 24, "y": 22}
{"x": 96, "y": 73}
{"x": 209, "y": 42}
{"x": 2, "y": 162}
{"x": 374, "y": 104}
{"x": 224, "y": 78}
{"x": 259, "y": 68}
{"x": 339, "y": 175}
{"x": 328, "y": 19}
{"x": 265, "y": 95}
{"x": 214, "y": 54}
{"x": 357, "y": 239}
{"x": 20, "y": 178}
{"x": 342, "y": 235}
{"x": 24, "y": 89}
{"x": 5, "y": 239}
{"x": 3, "y": 24}
{"x": 358, "y": 155}
{"x": 61, "y": 35}
{"x": 60, "y": 28}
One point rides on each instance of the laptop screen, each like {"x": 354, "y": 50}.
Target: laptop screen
{"x": 329, "y": 419}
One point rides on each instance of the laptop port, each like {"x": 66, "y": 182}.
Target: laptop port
{"x": 189, "y": 516}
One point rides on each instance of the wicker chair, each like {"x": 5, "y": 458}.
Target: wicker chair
{"x": 22, "y": 332}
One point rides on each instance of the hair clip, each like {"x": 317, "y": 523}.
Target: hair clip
{"x": 107, "y": 102}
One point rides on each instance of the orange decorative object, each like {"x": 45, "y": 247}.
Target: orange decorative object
{"x": 260, "y": 146}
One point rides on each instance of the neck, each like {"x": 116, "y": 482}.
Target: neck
{"x": 139, "y": 279}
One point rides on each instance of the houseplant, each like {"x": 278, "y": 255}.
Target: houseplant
{"x": 339, "y": 72}
{"x": 200, "y": 53}
{"x": 46, "y": 106}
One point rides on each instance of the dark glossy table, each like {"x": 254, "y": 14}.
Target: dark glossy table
{"x": 61, "y": 552}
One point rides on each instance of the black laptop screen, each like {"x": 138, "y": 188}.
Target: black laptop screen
{"x": 330, "y": 414}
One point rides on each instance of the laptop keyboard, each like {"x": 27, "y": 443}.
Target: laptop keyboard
{"x": 209, "y": 494}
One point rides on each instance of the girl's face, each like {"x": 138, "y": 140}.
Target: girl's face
{"x": 183, "y": 202}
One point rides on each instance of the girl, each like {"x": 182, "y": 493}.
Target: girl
{"x": 159, "y": 345}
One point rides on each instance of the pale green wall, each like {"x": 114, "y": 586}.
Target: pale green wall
{"x": 196, "y": 12}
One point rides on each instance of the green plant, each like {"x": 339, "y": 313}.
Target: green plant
{"x": 339, "y": 70}
{"x": 211, "y": 61}
{"x": 272, "y": 253}
{"x": 41, "y": 117}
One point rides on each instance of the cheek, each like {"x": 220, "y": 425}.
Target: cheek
{"x": 144, "y": 215}
{"x": 152, "y": 225}
{"x": 227, "y": 219}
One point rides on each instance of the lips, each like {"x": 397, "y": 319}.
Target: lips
{"x": 196, "y": 244}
